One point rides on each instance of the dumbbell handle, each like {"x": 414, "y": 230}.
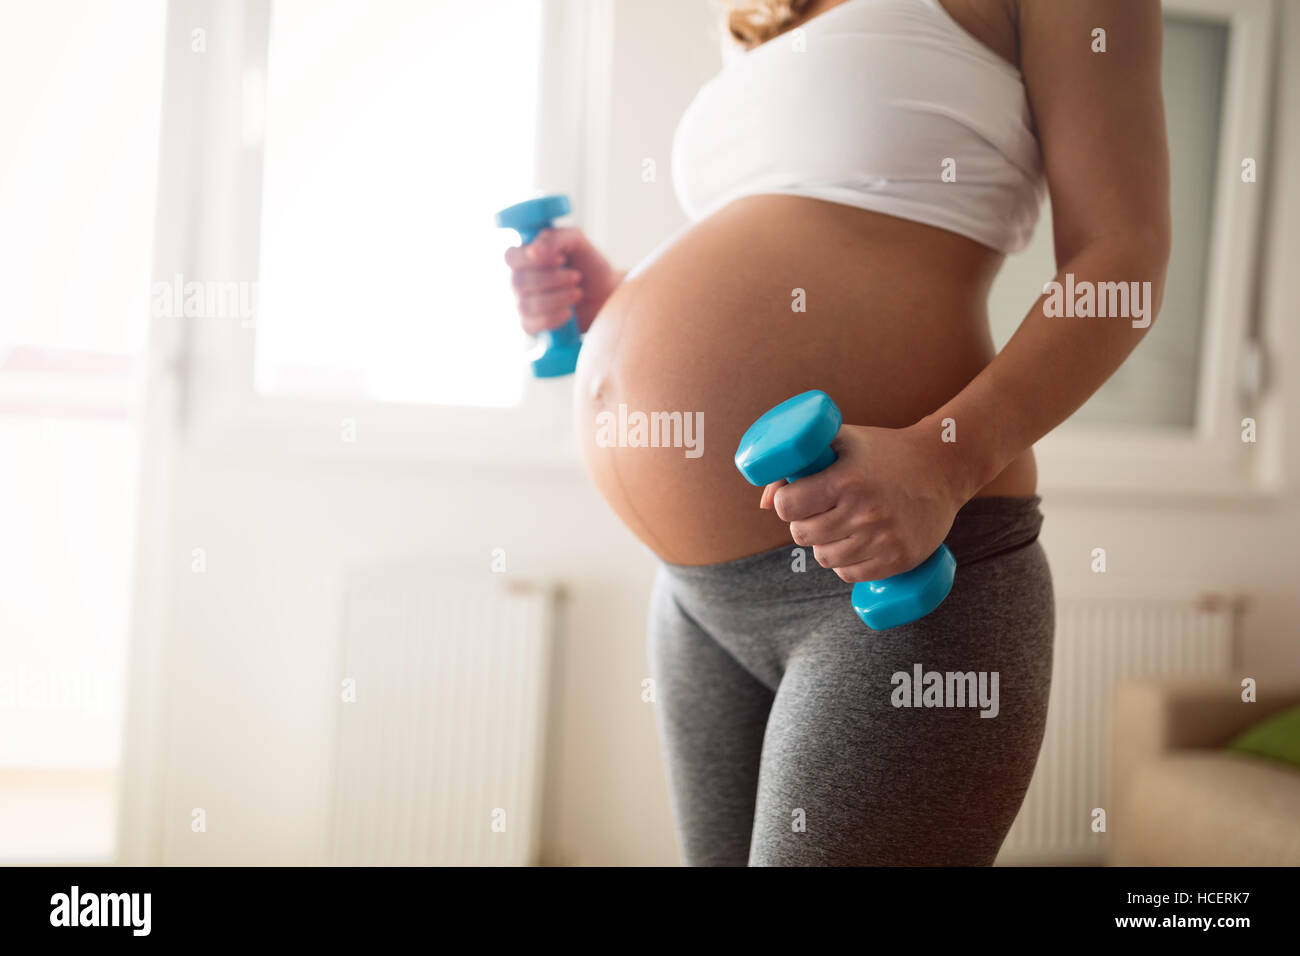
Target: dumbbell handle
{"x": 558, "y": 352}
{"x": 787, "y": 434}
{"x": 568, "y": 333}
{"x": 820, "y": 463}
{"x": 824, "y": 461}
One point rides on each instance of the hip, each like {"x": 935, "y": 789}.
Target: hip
{"x": 770, "y": 608}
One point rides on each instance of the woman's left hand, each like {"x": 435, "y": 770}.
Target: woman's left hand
{"x": 884, "y": 506}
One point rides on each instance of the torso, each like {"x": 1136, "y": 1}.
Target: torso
{"x": 895, "y": 325}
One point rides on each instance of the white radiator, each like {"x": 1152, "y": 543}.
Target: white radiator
{"x": 1098, "y": 644}
{"x": 439, "y": 760}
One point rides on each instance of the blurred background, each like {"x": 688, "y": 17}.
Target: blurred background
{"x": 299, "y": 566}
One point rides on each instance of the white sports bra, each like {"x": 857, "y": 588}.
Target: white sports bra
{"x": 887, "y": 105}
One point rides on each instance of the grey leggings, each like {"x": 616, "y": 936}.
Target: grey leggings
{"x": 794, "y": 735}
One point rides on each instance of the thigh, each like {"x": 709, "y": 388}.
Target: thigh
{"x": 711, "y": 714}
{"x": 860, "y": 767}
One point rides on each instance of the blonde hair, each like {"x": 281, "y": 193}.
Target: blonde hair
{"x": 752, "y": 22}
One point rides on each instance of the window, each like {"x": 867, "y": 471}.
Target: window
{"x": 1160, "y": 383}
{"x": 80, "y": 93}
{"x": 1172, "y": 421}
{"x": 394, "y": 131}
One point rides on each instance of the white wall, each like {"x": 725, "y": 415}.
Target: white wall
{"x": 256, "y": 644}
{"x": 255, "y": 640}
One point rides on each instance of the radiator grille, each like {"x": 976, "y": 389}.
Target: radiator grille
{"x": 439, "y": 759}
{"x": 1100, "y": 643}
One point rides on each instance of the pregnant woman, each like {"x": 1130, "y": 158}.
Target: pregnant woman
{"x": 854, "y": 176}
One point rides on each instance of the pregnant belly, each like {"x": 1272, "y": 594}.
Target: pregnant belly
{"x": 771, "y": 296}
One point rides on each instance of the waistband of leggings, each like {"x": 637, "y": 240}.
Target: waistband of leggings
{"x": 983, "y": 528}
{"x": 987, "y": 527}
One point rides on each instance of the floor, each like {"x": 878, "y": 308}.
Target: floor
{"x": 57, "y": 816}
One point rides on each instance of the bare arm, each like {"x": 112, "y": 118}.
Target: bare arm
{"x": 1100, "y": 119}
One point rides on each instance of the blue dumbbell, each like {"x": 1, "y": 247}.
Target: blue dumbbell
{"x": 792, "y": 441}
{"x": 558, "y": 352}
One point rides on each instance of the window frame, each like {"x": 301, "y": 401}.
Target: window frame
{"x": 1208, "y": 460}
{"x": 221, "y": 206}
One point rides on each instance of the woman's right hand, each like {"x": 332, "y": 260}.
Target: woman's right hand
{"x": 559, "y": 270}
